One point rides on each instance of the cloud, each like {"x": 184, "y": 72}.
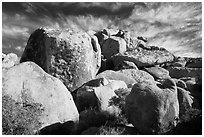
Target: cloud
{"x": 14, "y": 31}
{"x": 175, "y": 26}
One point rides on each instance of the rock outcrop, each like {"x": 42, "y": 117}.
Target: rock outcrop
{"x": 27, "y": 84}
{"x": 152, "y": 109}
{"x": 143, "y": 57}
{"x": 73, "y": 57}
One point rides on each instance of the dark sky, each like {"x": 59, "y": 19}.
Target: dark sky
{"x": 175, "y": 26}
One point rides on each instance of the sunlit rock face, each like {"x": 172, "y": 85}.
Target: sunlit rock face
{"x": 71, "y": 56}
{"x": 28, "y": 84}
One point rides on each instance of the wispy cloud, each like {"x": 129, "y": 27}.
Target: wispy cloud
{"x": 14, "y": 31}
{"x": 175, "y": 26}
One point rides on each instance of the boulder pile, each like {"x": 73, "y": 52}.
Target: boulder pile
{"x": 75, "y": 82}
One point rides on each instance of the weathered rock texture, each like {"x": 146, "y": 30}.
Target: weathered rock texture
{"x": 152, "y": 109}
{"x": 137, "y": 75}
{"x": 27, "y": 83}
{"x": 144, "y": 56}
{"x": 73, "y": 57}
{"x": 158, "y": 72}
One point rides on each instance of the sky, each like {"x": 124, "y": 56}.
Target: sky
{"x": 174, "y": 26}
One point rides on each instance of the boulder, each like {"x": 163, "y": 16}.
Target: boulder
{"x": 137, "y": 75}
{"x": 151, "y": 108}
{"x": 116, "y": 75}
{"x": 144, "y": 57}
{"x": 125, "y": 65}
{"x": 112, "y": 46}
{"x": 106, "y": 93}
{"x": 194, "y": 63}
{"x": 73, "y": 57}
{"x": 28, "y": 84}
{"x": 185, "y": 101}
{"x": 180, "y": 72}
{"x": 85, "y": 96}
{"x": 158, "y": 72}
{"x": 10, "y": 60}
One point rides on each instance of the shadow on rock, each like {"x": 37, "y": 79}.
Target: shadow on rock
{"x": 66, "y": 128}
{"x": 193, "y": 127}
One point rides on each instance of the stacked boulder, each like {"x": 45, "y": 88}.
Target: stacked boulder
{"x": 73, "y": 57}
{"x": 80, "y": 79}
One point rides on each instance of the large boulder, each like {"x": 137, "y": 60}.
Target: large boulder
{"x": 151, "y": 108}
{"x": 143, "y": 57}
{"x": 112, "y": 46}
{"x": 73, "y": 57}
{"x": 10, "y": 60}
{"x": 116, "y": 75}
{"x": 27, "y": 84}
{"x": 137, "y": 75}
{"x": 158, "y": 72}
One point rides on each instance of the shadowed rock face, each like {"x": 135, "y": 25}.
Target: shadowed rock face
{"x": 112, "y": 46}
{"x": 180, "y": 72}
{"x": 73, "y": 57}
{"x": 153, "y": 109}
{"x": 27, "y": 83}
